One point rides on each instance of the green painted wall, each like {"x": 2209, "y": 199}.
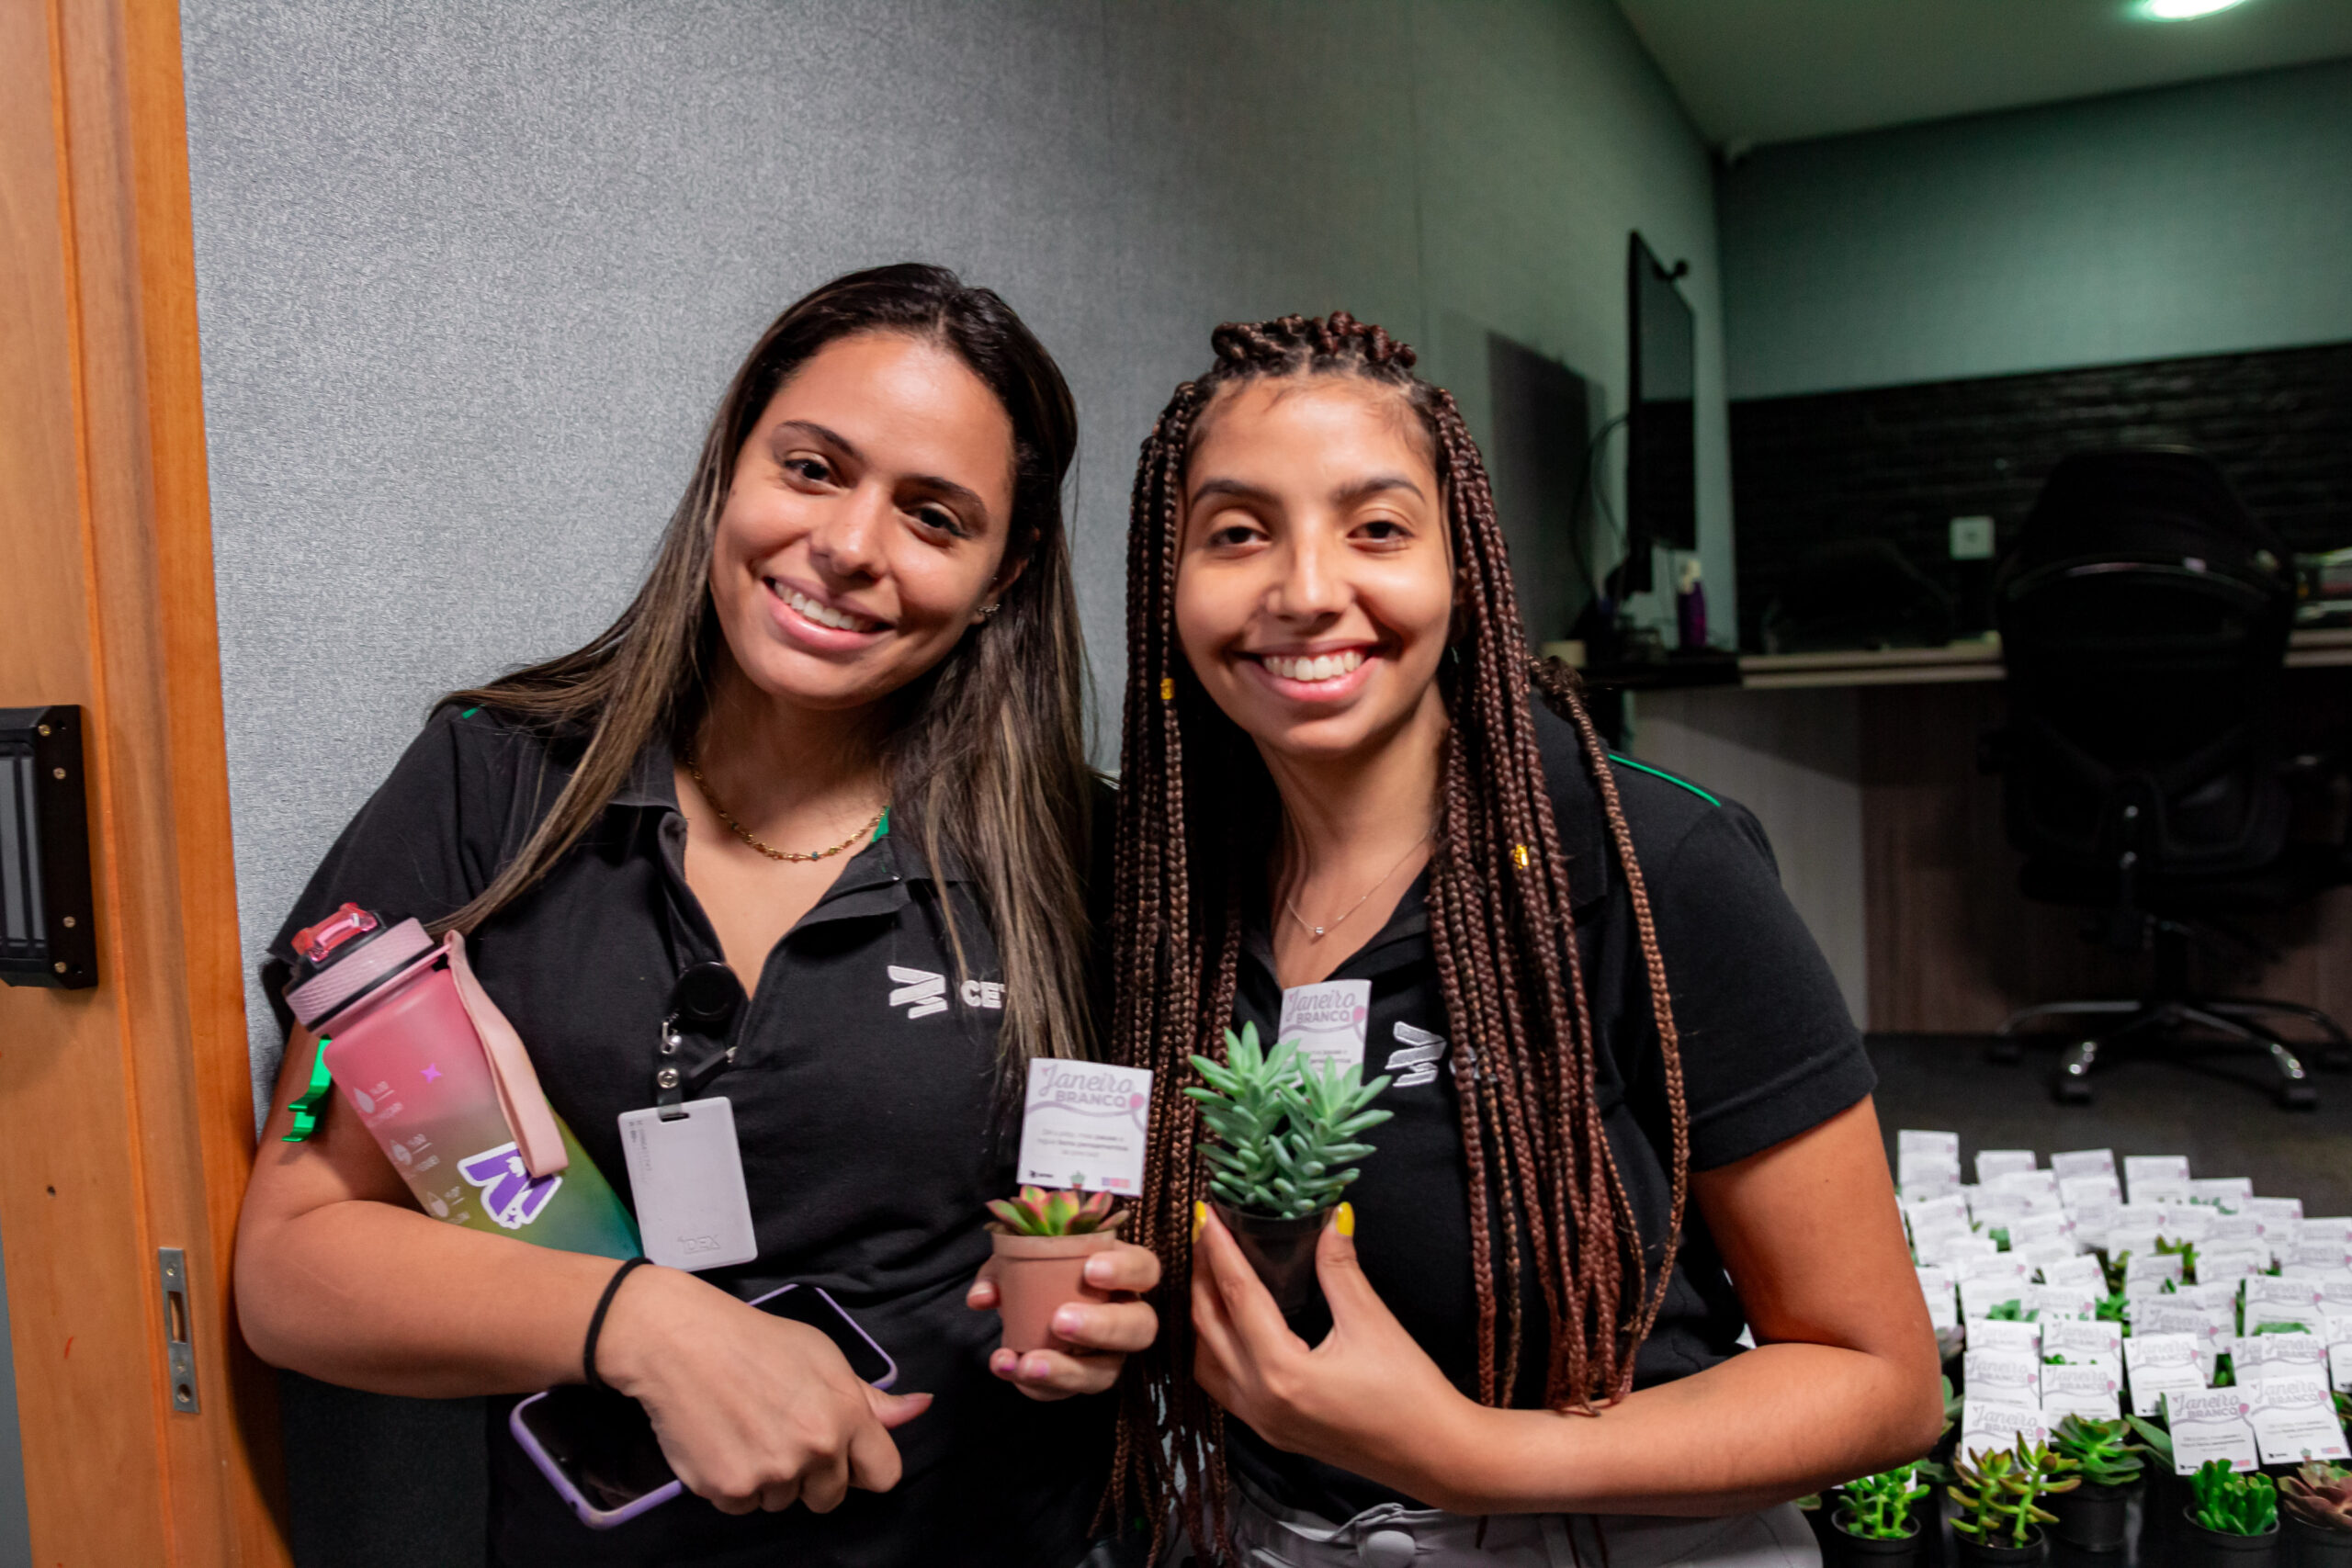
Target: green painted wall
{"x": 2195, "y": 220}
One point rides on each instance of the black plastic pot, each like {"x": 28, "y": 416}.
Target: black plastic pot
{"x": 2202, "y": 1547}
{"x": 1976, "y": 1554}
{"x": 1908, "y": 1551}
{"x": 2308, "y": 1546}
{"x": 2091, "y": 1517}
{"x": 1282, "y": 1252}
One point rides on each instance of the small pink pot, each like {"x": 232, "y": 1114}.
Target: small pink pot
{"x": 1034, "y": 1275}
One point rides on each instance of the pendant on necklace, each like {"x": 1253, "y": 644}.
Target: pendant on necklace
{"x": 1319, "y": 930}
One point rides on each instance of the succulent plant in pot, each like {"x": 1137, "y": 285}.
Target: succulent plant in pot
{"x": 1999, "y": 1491}
{"x": 1876, "y": 1519}
{"x": 1042, "y": 1240}
{"x": 1284, "y": 1138}
{"x": 2092, "y": 1516}
{"x": 2315, "y": 1507}
{"x": 2233, "y": 1518}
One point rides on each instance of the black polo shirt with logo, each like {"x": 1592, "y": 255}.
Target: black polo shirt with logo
{"x": 1767, "y": 1052}
{"x": 867, "y": 1102}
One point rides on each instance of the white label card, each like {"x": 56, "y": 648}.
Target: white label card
{"x": 1985, "y": 1426}
{"x": 686, "y": 1174}
{"x": 2078, "y": 1339}
{"x": 2339, "y": 1367}
{"x": 1991, "y": 1163}
{"x": 1329, "y": 1022}
{"x": 2076, "y": 1162}
{"x": 2081, "y": 1269}
{"x": 2296, "y": 1421}
{"x": 2003, "y": 1376}
{"x": 1085, "y": 1126}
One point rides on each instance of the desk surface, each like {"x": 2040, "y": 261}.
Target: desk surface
{"x": 1978, "y": 660}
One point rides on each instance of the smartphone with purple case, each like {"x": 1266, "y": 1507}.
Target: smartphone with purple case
{"x": 597, "y": 1448}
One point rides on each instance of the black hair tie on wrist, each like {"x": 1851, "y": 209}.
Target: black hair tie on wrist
{"x": 596, "y": 1322}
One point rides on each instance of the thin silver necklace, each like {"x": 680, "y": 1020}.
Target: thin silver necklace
{"x": 1316, "y": 932}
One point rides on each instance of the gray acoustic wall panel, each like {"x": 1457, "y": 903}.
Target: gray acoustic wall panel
{"x": 472, "y": 274}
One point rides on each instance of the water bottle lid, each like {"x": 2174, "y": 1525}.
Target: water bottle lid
{"x": 349, "y": 953}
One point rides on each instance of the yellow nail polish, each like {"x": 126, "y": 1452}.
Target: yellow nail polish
{"x": 1200, "y": 1217}
{"x": 1344, "y": 1220}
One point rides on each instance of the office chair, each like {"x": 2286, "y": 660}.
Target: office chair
{"x": 2143, "y": 619}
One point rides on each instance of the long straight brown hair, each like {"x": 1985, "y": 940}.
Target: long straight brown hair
{"x": 985, "y": 753}
{"x": 1197, "y": 819}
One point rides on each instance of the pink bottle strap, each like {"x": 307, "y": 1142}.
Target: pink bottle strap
{"x": 536, "y": 1136}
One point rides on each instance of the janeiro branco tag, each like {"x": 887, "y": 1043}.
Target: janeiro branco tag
{"x": 1328, "y": 1021}
{"x": 2209, "y": 1425}
{"x": 686, "y": 1176}
{"x": 1084, "y": 1125}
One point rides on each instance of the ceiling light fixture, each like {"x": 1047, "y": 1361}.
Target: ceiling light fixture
{"x": 2183, "y": 10}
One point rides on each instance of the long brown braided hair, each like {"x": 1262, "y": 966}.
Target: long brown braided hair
{"x": 1198, "y": 816}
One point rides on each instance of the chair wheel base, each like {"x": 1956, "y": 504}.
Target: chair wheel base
{"x": 2298, "y": 1097}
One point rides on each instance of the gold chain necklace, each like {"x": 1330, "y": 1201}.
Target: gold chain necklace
{"x": 769, "y": 850}
{"x": 1314, "y": 933}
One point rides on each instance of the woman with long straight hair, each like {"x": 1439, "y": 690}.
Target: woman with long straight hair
{"x": 833, "y": 748}
{"x": 1630, "y": 1114}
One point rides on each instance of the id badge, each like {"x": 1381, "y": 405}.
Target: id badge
{"x": 692, "y": 1209}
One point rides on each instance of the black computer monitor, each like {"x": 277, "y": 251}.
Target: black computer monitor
{"x": 1662, "y": 432}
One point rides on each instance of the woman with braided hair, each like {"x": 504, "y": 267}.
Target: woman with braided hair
{"x": 1629, "y": 1111}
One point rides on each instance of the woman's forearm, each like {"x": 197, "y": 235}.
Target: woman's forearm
{"x": 1761, "y": 1428}
{"x": 375, "y": 1297}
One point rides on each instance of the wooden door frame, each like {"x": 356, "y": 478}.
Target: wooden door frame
{"x": 126, "y": 1112}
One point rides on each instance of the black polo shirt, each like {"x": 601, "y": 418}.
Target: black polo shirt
{"x": 867, "y": 1100}
{"x": 1767, "y": 1052}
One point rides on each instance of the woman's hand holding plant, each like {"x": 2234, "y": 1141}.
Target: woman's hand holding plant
{"x": 752, "y": 1411}
{"x": 1108, "y": 1332}
{"x": 1338, "y": 1400}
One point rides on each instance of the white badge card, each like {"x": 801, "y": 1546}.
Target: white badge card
{"x": 1329, "y": 1022}
{"x": 686, "y": 1174}
{"x": 1085, "y": 1126}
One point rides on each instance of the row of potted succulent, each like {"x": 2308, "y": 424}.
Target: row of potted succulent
{"x": 2079, "y": 1486}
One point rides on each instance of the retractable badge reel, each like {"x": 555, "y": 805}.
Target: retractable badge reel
{"x": 684, "y": 1165}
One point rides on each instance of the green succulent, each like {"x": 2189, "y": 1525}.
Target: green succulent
{"x": 2279, "y": 1328}
{"x": 2113, "y": 1266}
{"x": 2100, "y": 1450}
{"x": 2006, "y": 1311}
{"x": 1284, "y": 1134}
{"x": 2114, "y": 1308}
{"x": 2231, "y": 1504}
{"x": 1998, "y": 1493}
{"x": 1878, "y": 1507}
{"x": 1039, "y": 1212}
{"x": 2153, "y": 1439}
{"x": 2187, "y": 1250}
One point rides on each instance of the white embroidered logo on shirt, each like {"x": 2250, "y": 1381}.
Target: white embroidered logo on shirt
{"x": 1416, "y": 1055}
{"x": 919, "y": 991}
{"x": 987, "y": 994}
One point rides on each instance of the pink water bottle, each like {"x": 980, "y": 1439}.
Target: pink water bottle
{"x": 441, "y": 1081}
